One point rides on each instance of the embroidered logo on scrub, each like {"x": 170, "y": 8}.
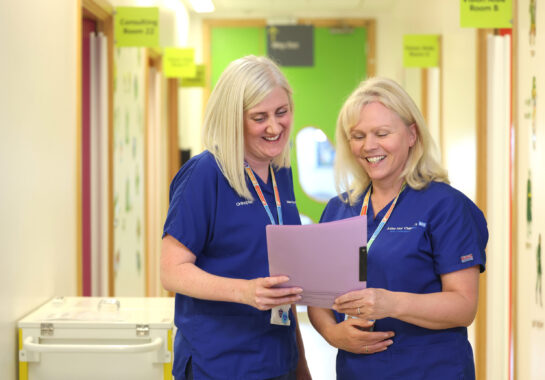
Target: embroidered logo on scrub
{"x": 466, "y": 258}
{"x": 244, "y": 203}
{"x": 407, "y": 228}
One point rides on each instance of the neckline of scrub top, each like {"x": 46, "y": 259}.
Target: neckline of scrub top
{"x": 365, "y": 205}
{"x": 257, "y": 188}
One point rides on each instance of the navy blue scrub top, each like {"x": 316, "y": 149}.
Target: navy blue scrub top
{"x": 227, "y": 235}
{"x": 431, "y": 232}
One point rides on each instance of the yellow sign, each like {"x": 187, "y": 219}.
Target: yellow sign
{"x": 136, "y": 26}
{"x": 179, "y": 62}
{"x": 420, "y": 50}
{"x": 198, "y": 81}
{"x": 486, "y": 14}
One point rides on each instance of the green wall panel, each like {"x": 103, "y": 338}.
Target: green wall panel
{"x": 319, "y": 91}
{"x": 230, "y": 43}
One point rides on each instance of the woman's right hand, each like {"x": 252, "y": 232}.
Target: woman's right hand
{"x": 353, "y": 335}
{"x": 261, "y": 294}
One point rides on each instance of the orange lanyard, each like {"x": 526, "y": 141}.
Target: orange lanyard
{"x": 257, "y": 188}
{"x": 365, "y": 205}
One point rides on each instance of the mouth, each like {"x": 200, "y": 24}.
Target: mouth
{"x": 272, "y": 138}
{"x": 375, "y": 159}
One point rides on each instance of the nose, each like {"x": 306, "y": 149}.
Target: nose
{"x": 273, "y": 126}
{"x": 369, "y": 143}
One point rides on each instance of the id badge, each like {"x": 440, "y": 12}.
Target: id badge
{"x": 280, "y": 315}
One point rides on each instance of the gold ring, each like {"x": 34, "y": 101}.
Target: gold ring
{"x": 359, "y": 312}
{"x": 366, "y": 349}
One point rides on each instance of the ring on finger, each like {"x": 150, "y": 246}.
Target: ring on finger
{"x": 359, "y": 312}
{"x": 366, "y": 349}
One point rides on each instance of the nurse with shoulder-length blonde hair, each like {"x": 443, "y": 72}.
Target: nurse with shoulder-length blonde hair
{"x": 232, "y": 322}
{"x": 426, "y": 246}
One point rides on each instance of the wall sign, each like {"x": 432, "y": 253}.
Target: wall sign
{"x": 420, "y": 50}
{"x": 136, "y": 26}
{"x": 179, "y": 62}
{"x": 291, "y": 45}
{"x": 486, "y": 14}
{"x": 199, "y": 80}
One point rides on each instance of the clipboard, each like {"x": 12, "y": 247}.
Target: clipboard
{"x": 326, "y": 260}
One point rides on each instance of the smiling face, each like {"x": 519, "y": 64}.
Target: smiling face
{"x": 267, "y": 128}
{"x": 380, "y": 141}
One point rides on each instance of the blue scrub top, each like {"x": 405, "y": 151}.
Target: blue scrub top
{"x": 227, "y": 235}
{"x": 430, "y": 232}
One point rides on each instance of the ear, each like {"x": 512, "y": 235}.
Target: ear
{"x": 413, "y": 135}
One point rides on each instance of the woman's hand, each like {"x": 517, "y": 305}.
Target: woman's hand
{"x": 353, "y": 335}
{"x": 369, "y": 304}
{"x": 179, "y": 274}
{"x": 261, "y": 294}
{"x": 454, "y": 306}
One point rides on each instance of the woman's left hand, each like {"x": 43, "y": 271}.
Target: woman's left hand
{"x": 367, "y": 303}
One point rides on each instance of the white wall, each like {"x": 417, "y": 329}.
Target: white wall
{"x": 498, "y": 206}
{"x": 191, "y": 98}
{"x": 38, "y": 153}
{"x": 530, "y": 234}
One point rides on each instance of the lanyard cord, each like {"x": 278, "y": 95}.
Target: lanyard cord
{"x": 365, "y": 205}
{"x": 257, "y": 188}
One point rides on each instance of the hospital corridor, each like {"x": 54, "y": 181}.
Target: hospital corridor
{"x": 182, "y": 182}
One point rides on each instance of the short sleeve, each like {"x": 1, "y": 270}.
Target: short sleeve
{"x": 458, "y": 234}
{"x": 325, "y": 217}
{"x": 336, "y": 209}
{"x": 192, "y": 204}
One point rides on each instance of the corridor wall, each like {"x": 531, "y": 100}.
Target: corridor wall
{"x": 498, "y": 204}
{"x": 39, "y": 160}
{"x": 529, "y": 218}
{"x": 129, "y": 96}
{"x": 141, "y": 120}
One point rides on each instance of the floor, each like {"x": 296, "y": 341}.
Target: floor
{"x": 320, "y": 355}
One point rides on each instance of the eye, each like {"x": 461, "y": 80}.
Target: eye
{"x": 382, "y": 133}
{"x": 282, "y": 111}
{"x": 357, "y": 137}
{"x": 258, "y": 119}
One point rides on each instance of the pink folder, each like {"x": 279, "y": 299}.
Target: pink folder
{"x": 323, "y": 259}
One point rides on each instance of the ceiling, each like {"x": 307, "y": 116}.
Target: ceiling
{"x": 296, "y": 8}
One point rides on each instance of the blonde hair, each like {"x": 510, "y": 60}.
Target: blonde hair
{"x": 422, "y": 165}
{"x": 242, "y": 86}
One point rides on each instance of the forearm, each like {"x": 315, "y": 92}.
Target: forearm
{"x": 454, "y": 306}
{"x": 194, "y": 282}
{"x": 434, "y": 311}
{"x": 321, "y": 319}
{"x": 179, "y": 274}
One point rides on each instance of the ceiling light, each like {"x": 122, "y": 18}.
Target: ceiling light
{"x": 202, "y": 6}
